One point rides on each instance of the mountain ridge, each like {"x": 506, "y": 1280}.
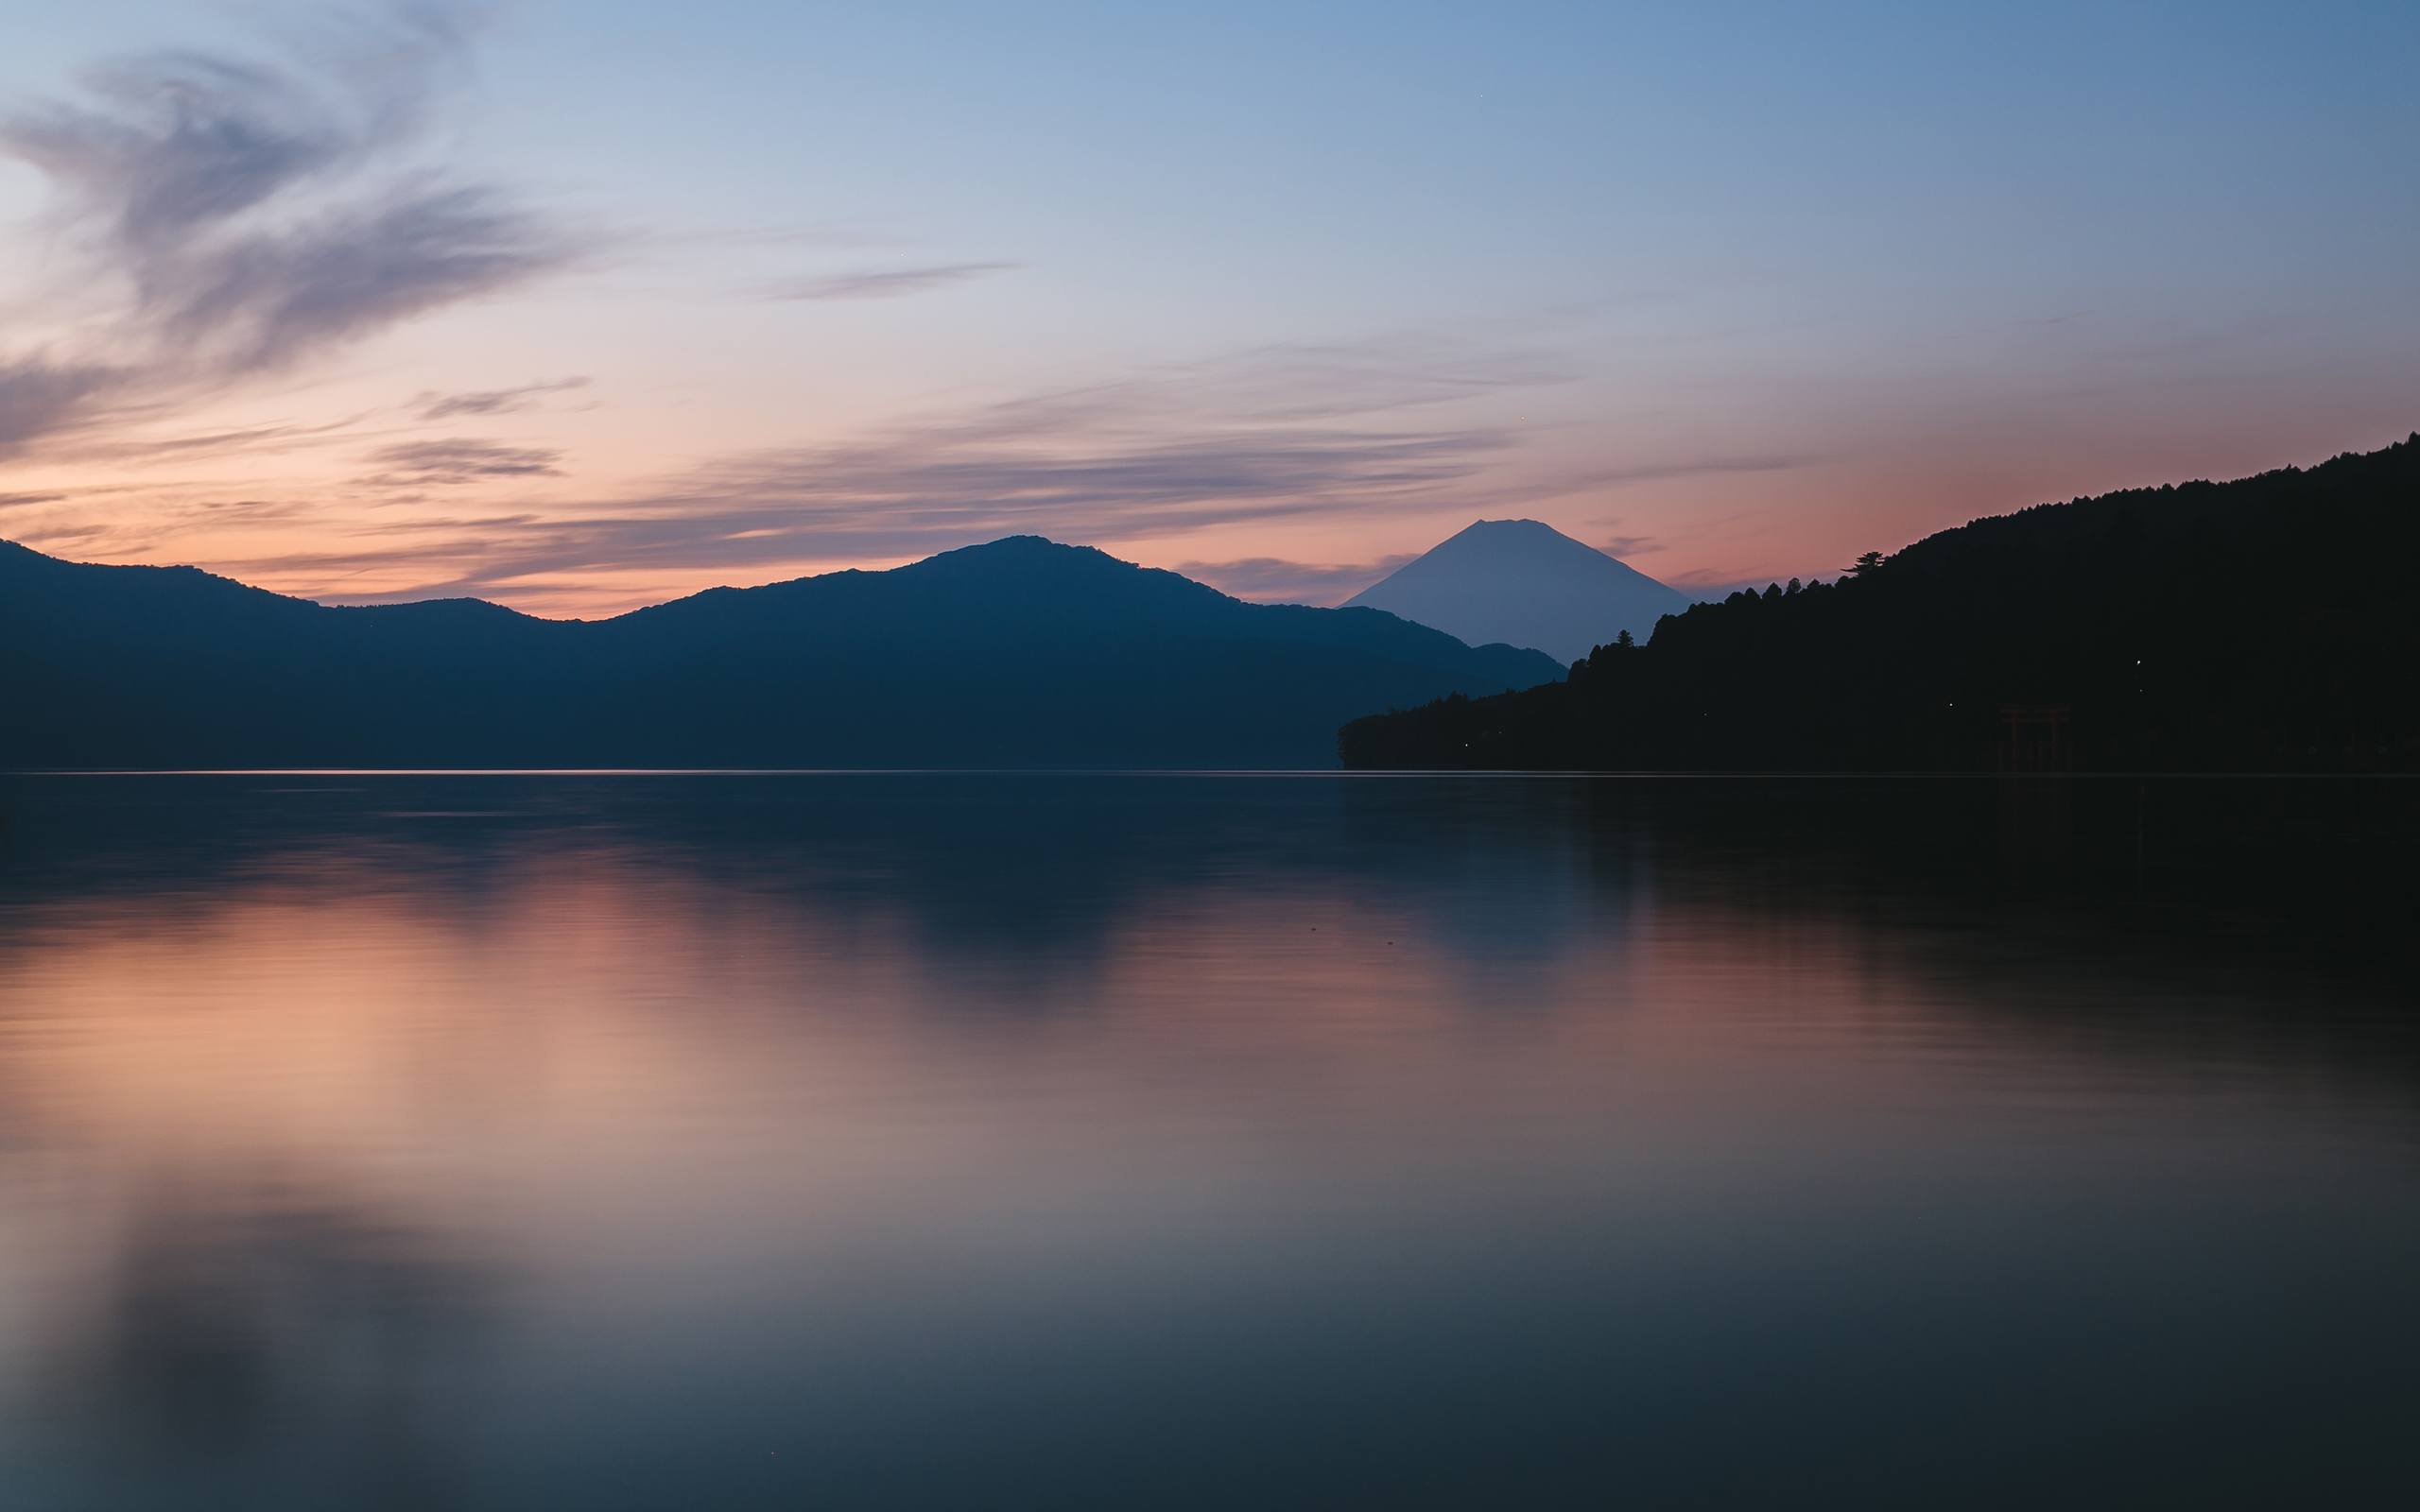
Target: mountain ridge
{"x": 1011, "y": 653}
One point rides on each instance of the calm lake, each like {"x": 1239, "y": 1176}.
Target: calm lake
{"x": 576, "y": 1141}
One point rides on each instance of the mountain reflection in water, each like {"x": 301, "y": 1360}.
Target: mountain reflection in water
{"x": 899, "y": 1140}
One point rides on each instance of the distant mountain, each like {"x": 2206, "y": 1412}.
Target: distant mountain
{"x": 1019, "y": 653}
{"x": 1523, "y": 583}
{"x": 2261, "y": 625}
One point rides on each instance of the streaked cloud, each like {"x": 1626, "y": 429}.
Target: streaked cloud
{"x": 130, "y": 446}
{"x": 258, "y": 212}
{"x": 896, "y": 499}
{"x": 1624, "y": 474}
{"x": 269, "y": 300}
{"x": 1154, "y": 454}
{"x": 458, "y": 460}
{"x": 38, "y": 397}
{"x": 433, "y": 407}
{"x": 884, "y": 282}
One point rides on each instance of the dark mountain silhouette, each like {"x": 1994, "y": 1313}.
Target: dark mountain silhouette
{"x": 2265, "y": 623}
{"x": 1019, "y": 653}
{"x": 1523, "y": 583}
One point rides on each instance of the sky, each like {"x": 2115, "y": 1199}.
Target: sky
{"x": 581, "y": 304}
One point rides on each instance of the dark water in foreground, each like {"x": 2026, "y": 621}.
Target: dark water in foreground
{"x": 864, "y": 1141}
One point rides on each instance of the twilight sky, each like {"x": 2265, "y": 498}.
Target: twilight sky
{"x": 577, "y": 304}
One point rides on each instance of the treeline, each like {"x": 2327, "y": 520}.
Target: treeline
{"x": 2261, "y": 625}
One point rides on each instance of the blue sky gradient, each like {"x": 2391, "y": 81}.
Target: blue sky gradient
{"x": 1738, "y": 290}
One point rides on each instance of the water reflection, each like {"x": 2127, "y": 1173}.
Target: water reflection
{"x": 227, "y": 1348}
{"x": 543, "y": 1141}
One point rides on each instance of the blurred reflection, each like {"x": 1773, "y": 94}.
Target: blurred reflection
{"x": 874, "y": 1141}
{"x": 280, "y": 1337}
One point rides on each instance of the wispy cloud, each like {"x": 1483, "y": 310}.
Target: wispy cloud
{"x": 269, "y": 300}
{"x": 458, "y": 460}
{"x": 19, "y": 501}
{"x": 259, "y": 213}
{"x": 883, "y": 284}
{"x": 433, "y": 407}
{"x": 907, "y": 497}
{"x": 1626, "y": 474}
{"x": 1156, "y": 453}
{"x": 138, "y": 448}
{"x": 38, "y": 397}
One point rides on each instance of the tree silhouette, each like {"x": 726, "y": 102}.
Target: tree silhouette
{"x": 2052, "y": 614}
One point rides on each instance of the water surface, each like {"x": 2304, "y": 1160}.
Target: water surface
{"x": 873, "y": 1141}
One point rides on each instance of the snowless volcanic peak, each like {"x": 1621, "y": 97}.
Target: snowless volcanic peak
{"x": 1525, "y": 583}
